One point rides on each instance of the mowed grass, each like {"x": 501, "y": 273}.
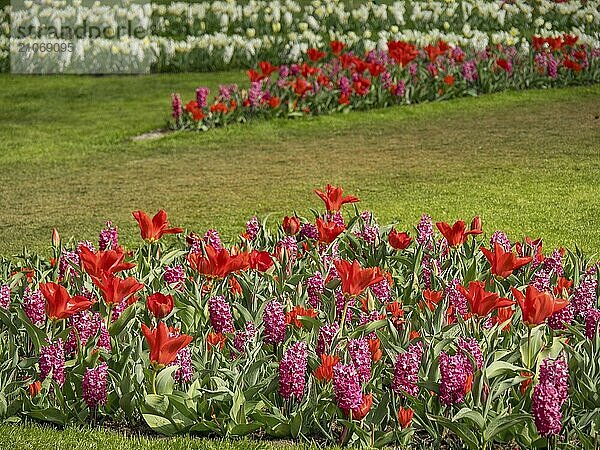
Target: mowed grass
{"x": 526, "y": 162}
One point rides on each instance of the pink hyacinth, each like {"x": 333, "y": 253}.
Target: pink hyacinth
{"x": 212, "y": 238}
{"x": 500, "y": 237}
{"x": 325, "y": 340}
{"x": 382, "y": 291}
{"x": 549, "y": 395}
{"x": 470, "y": 346}
{"x": 346, "y": 387}
{"x": 406, "y": 371}
{"x": 252, "y": 228}
{"x": 109, "y": 237}
{"x": 340, "y": 301}
{"x": 290, "y": 246}
{"x": 52, "y": 360}
{"x": 274, "y": 320}
{"x": 34, "y": 306}
{"x": 243, "y": 339}
{"x": 584, "y": 296}
{"x": 592, "y": 319}
{"x": 315, "y": 286}
{"x": 4, "y": 296}
{"x": 94, "y": 386}
{"x": 424, "y": 230}
{"x": 176, "y": 106}
{"x": 220, "y": 315}
{"x": 292, "y": 371}
{"x": 185, "y": 372}
{"x": 561, "y": 318}
{"x": 65, "y": 263}
{"x": 361, "y": 358}
{"x": 201, "y": 96}
{"x": 454, "y": 371}
{"x": 84, "y": 326}
{"x": 455, "y": 298}
{"x": 174, "y": 276}
{"x": 309, "y": 231}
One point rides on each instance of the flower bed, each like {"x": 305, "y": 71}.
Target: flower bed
{"x": 341, "y": 80}
{"x": 333, "y": 327}
{"x": 223, "y": 35}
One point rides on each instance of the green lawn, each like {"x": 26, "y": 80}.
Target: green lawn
{"x": 527, "y": 162}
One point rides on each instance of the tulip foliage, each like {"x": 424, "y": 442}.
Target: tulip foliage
{"x": 327, "y": 327}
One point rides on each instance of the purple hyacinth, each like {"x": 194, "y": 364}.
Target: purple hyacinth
{"x": 94, "y": 386}
{"x": 65, "y": 263}
{"x": 325, "y": 340}
{"x": 552, "y": 66}
{"x": 201, "y": 96}
{"x": 361, "y": 358}
{"x": 345, "y": 85}
{"x": 52, "y": 360}
{"x": 454, "y": 371}
{"x": 109, "y": 237}
{"x": 315, "y": 286}
{"x": 470, "y": 346}
{"x": 212, "y": 238}
{"x": 340, "y": 302}
{"x": 549, "y": 395}
{"x": 274, "y": 320}
{"x": 183, "y": 359}
{"x": 255, "y": 93}
{"x": 5, "y": 296}
{"x": 290, "y": 246}
{"x": 252, "y": 228}
{"x": 292, "y": 371}
{"x": 309, "y": 231}
{"x": 84, "y": 326}
{"x": 399, "y": 89}
{"x": 174, "y": 276}
{"x": 220, "y": 315}
{"x": 176, "y": 106}
{"x": 382, "y": 290}
{"x": 469, "y": 71}
{"x": 455, "y": 298}
{"x": 406, "y": 371}
{"x": 346, "y": 387}
{"x": 386, "y": 80}
{"x": 500, "y": 237}
{"x": 34, "y": 306}
{"x": 243, "y": 339}
{"x": 584, "y": 296}
{"x": 592, "y": 319}
{"x": 424, "y": 230}
{"x": 561, "y": 318}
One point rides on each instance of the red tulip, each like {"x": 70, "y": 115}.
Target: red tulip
{"x": 399, "y": 241}
{"x": 503, "y": 315}
{"x": 315, "y": 54}
{"x": 103, "y": 262}
{"x": 115, "y": 289}
{"x": 563, "y": 287}
{"x": 536, "y": 306}
{"x": 218, "y": 263}
{"x": 291, "y": 225}
{"x": 59, "y": 304}
{"x": 164, "y": 348}
{"x": 405, "y": 416}
{"x": 432, "y": 298}
{"x": 482, "y": 302}
{"x": 35, "y": 388}
{"x": 260, "y": 261}
{"x": 292, "y": 317}
{"x": 476, "y": 227}
{"x": 328, "y": 231}
{"x": 55, "y": 238}
{"x": 153, "y": 229}
{"x": 160, "y": 305}
{"x": 234, "y": 287}
{"x": 455, "y": 234}
{"x": 325, "y": 371}
{"x": 215, "y": 340}
{"x": 504, "y": 263}
{"x": 267, "y": 68}
{"x": 334, "y": 199}
{"x": 355, "y": 279}
{"x": 336, "y": 47}
{"x": 374, "y": 349}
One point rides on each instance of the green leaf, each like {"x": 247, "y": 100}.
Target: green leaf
{"x": 460, "y": 429}
{"x": 160, "y": 424}
{"x": 503, "y": 423}
{"x": 243, "y": 429}
{"x": 117, "y": 327}
{"x": 296, "y": 424}
{"x": 474, "y": 416}
{"x": 164, "y": 380}
{"x": 500, "y": 368}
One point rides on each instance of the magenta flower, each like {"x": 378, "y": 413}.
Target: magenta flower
{"x": 252, "y": 228}
{"x": 176, "y": 106}
{"x": 584, "y": 295}
{"x": 325, "y": 339}
{"x": 455, "y": 371}
{"x": 292, "y": 371}
{"x": 174, "y": 276}
{"x": 84, "y": 326}
{"x": 315, "y": 286}
{"x": 52, "y": 361}
{"x": 34, "y": 306}
{"x": 109, "y": 236}
{"x": 346, "y": 387}
{"x": 94, "y": 386}
{"x": 361, "y": 358}
{"x": 470, "y": 346}
{"x": 424, "y": 230}
{"x": 274, "y": 320}
{"x": 406, "y": 371}
{"x": 4, "y": 296}
{"x": 243, "y": 339}
{"x": 212, "y": 238}
{"x": 185, "y": 372}
{"x": 561, "y": 318}
{"x": 309, "y": 231}
{"x": 549, "y": 395}
{"x": 592, "y": 318}
{"x": 220, "y": 315}
{"x": 382, "y": 291}
{"x": 455, "y": 298}
{"x": 500, "y": 237}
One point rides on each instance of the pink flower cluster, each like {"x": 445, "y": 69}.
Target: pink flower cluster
{"x": 94, "y": 386}
{"x": 292, "y": 371}
{"x": 86, "y": 325}
{"x": 52, "y": 361}
{"x": 346, "y": 387}
{"x": 549, "y": 395}
{"x": 220, "y": 315}
{"x": 358, "y": 349}
{"x": 274, "y": 320}
{"x": 406, "y": 371}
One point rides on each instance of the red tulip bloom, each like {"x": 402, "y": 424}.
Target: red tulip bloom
{"x": 536, "y": 306}
{"x": 504, "y": 263}
{"x": 260, "y": 261}
{"x": 402, "y": 52}
{"x": 267, "y": 68}
{"x": 160, "y": 305}
{"x": 115, "y": 289}
{"x": 432, "y": 298}
{"x": 35, "y": 388}
{"x": 361, "y": 412}
{"x": 503, "y": 315}
{"x": 325, "y": 371}
{"x": 218, "y": 263}
{"x": 399, "y": 241}
{"x": 374, "y": 349}
{"x": 103, "y": 262}
{"x": 328, "y": 231}
{"x": 482, "y": 302}
{"x": 476, "y": 227}
{"x": 315, "y": 54}
{"x": 405, "y": 416}
{"x": 354, "y": 278}
{"x": 291, "y": 225}
{"x": 334, "y": 199}
{"x": 214, "y": 340}
{"x": 456, "y": 234}
{"x": 336, "y": 47}
{"x": 163, "y": 347}
{"x": 153, "y": 229}
{"x": 563, "y": 287}
{"x": 292, "y": 317}
{"x": 59, "y": 304}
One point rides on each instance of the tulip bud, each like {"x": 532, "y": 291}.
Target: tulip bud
{"x": 291, "y": 225}
{"x": 476, "y": 224}
{"x": 55, "y": 238}
{"x": 35, "y": 388}
{"x": 405, "y": 416}
{"x": 160, "y": 305}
